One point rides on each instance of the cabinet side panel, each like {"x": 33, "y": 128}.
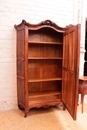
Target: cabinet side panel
{"x": 20, "y": 43}
{"x": 20, "y": 83}
{"x": 20, "y": 67}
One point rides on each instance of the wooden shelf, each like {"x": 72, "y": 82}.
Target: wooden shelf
{"x": 43, "y": 80}
{"x": 40, "y": 94}
{"x": 41, "y": 42}
{"x": 38, "y": 58}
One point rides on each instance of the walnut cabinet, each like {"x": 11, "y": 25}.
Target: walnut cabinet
{"x": 47, "y": 65}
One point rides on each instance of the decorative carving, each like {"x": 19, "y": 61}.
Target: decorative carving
{"x": 48, "y": 22}
{"x": 70, "y": 25}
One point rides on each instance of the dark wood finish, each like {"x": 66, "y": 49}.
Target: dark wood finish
{"x": 82, "y": 88}
{"x": 47, "y": 64}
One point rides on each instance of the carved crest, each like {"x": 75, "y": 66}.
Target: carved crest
{"x": 48, "y": 22}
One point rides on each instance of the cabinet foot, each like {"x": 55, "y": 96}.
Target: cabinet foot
{"x": 63, "y": 107}
{"x": 25, "y": 115}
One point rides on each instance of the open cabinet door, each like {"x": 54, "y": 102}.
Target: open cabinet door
{"x": 70, "y": 73}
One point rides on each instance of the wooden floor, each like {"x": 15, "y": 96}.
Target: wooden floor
{"x": 52, "y": 118}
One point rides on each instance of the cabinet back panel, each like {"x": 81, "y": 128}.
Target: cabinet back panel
{"x": 38, "y": 69}
{"x": 36, "y": 50}
{"x": 44, "y": 86}
{"x": 45, "y": 34}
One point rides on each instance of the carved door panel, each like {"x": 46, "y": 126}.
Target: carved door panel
{"x": 70, "y": 69}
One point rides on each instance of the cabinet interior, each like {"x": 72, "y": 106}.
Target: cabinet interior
{"x": 45, "y": 51}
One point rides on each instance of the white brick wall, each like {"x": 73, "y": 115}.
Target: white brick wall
{"x": 62, "y": 12}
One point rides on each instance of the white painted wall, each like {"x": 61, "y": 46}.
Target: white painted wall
{"x": 62, "y": 12}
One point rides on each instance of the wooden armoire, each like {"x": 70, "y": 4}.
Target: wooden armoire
{"x": 47, "y": 65}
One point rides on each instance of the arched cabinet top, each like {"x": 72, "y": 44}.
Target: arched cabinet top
{"x": 43, "y": 24}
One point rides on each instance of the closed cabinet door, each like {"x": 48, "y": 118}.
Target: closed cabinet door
{"x": 70, "y": 69}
